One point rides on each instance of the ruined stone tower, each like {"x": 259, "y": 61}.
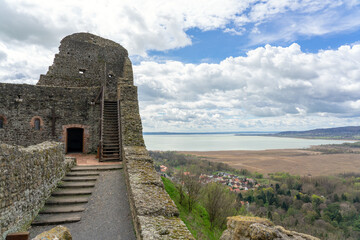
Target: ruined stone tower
{"x": 87, "y": 100}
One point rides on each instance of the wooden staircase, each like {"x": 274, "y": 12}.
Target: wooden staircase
{"x": 110, "y": 132}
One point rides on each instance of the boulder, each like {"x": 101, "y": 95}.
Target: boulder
{"x": 255, "y": 228}
{"x": 58, "y": 232}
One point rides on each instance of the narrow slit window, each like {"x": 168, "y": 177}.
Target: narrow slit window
{"x": 82, "y": 71}
{"x": 1, "y": 123}
{"x": 37, "y": 124}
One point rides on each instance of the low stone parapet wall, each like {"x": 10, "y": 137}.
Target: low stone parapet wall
{"x": 27, "y": 177}
{"x": 155, "y": 215}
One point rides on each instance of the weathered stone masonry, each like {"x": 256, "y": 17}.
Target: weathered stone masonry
{"x": 27, "y": 177}
{"x": 66, "y": 105}
{"x": 68, "y": 94}
{"x": 155, "y": 215}
{"x": 87, "y": 72}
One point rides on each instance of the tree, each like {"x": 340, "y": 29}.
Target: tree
{"x": 333, "y": 212}
{"x": 316, "y": 201}
{"x": 180, "y": 188}
{"x": 219, "y": 203}
{"x": 193, "y": 187}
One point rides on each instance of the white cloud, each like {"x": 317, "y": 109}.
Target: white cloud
{"x": 270, "y": 87}
{"x": 273, "y": 82}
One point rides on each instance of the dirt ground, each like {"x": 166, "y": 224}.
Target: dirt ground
{"x": 299, "y": 162}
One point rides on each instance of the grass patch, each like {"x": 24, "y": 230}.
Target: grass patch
{"x": 197, "y": 221}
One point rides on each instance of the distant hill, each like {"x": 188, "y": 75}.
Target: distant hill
{"x": 351, "y": 132}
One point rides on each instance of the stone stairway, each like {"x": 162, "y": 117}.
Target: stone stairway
{"x": 69, "y": 200}
{"x": 111, "y": 146}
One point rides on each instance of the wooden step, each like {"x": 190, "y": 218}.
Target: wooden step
{"x": 111, "y": 148}
{"x": 46, "y": 219}
{"x": 110, "y": 151}
{"x": 110, "y": 159}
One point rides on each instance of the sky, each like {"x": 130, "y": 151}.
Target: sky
{"x": 208, "y": 65}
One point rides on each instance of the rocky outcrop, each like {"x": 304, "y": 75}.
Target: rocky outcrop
{"x": 254, "y": 228}
{"x": 58, "y": 232}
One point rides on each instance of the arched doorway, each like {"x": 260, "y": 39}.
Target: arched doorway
{"x": 75, "y": 140}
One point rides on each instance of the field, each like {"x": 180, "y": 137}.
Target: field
{"x": 298, "y": 162}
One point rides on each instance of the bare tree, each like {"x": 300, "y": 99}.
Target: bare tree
{"x": 219, "y": 203}
{"x": 193, "y": 187}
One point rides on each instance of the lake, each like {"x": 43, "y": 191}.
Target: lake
{"x": 218, "y": 142}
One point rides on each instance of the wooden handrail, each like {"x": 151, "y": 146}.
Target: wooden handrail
{"x": 119, "y": 128}
{"x": 101, "y": 122}
{"x": 99, "y": 94}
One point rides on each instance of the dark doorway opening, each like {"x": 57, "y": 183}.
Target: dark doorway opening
{"x": 75, "y": 140}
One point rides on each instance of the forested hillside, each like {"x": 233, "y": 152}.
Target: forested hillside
{"x": 352, "y": 132}
{"x": 327, "y": 207}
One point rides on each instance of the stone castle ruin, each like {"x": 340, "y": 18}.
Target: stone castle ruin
{"x": 87, "y": 100}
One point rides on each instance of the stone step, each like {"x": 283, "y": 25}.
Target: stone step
{"x": 83, "y": 173}
{"x": 82, "y": 184}
{"x": 79, "y": 178}
{"x": 66, "y": 200}
{"x": 72, "y": 191}
{"x": 48, "y": 219}
{"x": 97, "y": 167}
{"x": 49, "y": 209}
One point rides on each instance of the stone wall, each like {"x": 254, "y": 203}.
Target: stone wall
{"x": 131, "y": 127}
{"x": 21, "y": 104}
{"x": 87, "y": 60}
{"x": 155, "y": 215}
{"x": 27, "y": 177}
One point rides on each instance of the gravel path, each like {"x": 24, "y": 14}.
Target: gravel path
{"x": 107, "y": 215}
